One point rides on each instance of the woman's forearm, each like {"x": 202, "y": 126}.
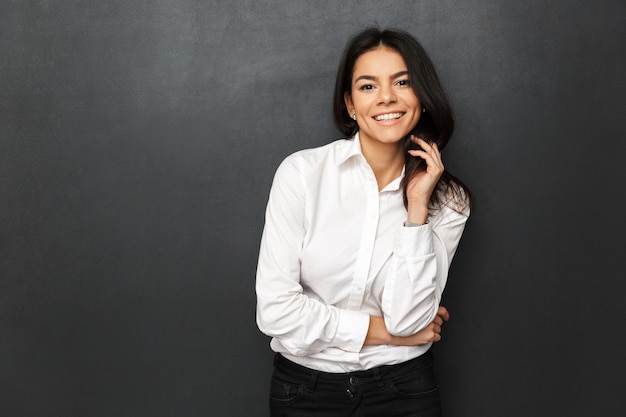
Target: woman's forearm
{"x": 377, "y": 333}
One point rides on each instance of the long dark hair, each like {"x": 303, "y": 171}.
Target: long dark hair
{"x": 436, "y": 123}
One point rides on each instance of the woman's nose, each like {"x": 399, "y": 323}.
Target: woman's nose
{"x": 386, "y": 94}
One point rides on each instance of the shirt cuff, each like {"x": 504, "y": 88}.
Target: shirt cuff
{"x": 411, "y": 224}
{"x": 414, "y": 241}
{"x": 352, "y": 330}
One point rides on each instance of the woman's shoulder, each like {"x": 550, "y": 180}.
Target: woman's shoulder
{"x": 312, "y": 157}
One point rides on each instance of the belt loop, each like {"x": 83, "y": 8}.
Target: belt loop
{"x": 378, "y": 376}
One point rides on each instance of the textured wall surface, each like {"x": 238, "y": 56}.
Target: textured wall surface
{"x": 138, "y": 140}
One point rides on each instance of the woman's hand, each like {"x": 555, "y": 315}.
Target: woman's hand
{"x": 377, "y": 333}
{"x": 430, "y": 333}
{"x": 423, "y": 183}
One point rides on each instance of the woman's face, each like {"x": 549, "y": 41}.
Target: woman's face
{"x": 381, "y": 96}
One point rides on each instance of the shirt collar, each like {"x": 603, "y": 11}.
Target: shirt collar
{"x": 395, "y": 184}
{"x": 352, "y": 148}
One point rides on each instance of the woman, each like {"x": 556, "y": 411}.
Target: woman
{"x": 358, "y": 239}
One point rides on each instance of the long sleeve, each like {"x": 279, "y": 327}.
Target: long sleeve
{"x": 303, "y": 324}
{"x": 419, "y": 271}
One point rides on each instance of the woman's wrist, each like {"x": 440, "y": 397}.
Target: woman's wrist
{"x": 417, "y": 214}
{"x": 377, "y": 333}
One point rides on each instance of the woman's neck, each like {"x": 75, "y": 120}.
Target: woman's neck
{"x": 385, "y": 159}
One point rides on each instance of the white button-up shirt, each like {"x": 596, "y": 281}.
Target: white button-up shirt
{"x": 335, "y": 251}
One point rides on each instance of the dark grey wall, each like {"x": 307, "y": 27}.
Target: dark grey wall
{"x": 138, "y": 140}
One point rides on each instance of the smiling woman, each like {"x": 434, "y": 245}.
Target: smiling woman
{"x": 359, "y": 235}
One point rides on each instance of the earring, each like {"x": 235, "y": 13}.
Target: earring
{"x": 423, "y": 109}
{"x": 354, "y": 116}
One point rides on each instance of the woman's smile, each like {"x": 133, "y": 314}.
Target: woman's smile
{"x": 388, "y": 117}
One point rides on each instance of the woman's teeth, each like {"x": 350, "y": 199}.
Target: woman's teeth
{"x": 388, "y": 116}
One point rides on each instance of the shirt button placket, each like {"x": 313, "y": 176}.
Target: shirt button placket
{"x": 366, "y": 249}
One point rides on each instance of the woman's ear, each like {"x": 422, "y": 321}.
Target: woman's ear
{"x": 347, "y": 98}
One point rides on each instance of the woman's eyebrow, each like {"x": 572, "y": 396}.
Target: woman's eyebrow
{"x": 374, "y": 78}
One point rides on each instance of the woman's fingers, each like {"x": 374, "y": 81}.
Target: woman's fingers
{"x": 429, "y": 152}
{"x": 422, "y": 183}
{"x": 432, "y": 332}
{"x": 436, "y": 325}
{"x": 443, "y": 313}
{"x": 435, "y": 332}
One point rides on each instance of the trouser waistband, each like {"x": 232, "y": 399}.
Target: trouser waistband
{"x": 373, "y": 376}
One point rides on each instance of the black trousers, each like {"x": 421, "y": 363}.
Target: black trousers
{"x": 408, "y": 389}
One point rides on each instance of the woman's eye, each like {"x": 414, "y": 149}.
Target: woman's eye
{"x": 366, "y": 87}
{"x": 404, "y": 83}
